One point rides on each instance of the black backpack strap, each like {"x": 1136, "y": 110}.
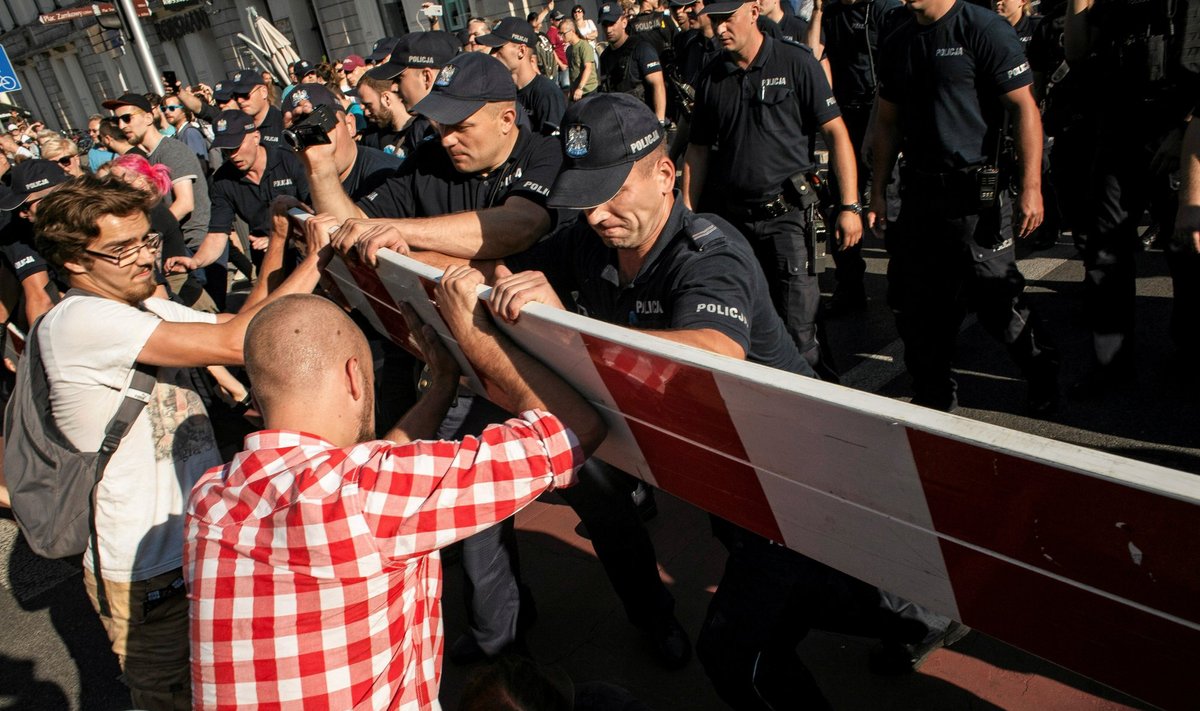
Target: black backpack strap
{"x": 140, "y": 389}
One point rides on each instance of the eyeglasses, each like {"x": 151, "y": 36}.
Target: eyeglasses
{"x": 125, "y": 118}
{"x": 173, "y": 107}
{"x": 151, "y": 241}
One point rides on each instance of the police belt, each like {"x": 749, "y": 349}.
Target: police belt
{"x": 758, "y": 212}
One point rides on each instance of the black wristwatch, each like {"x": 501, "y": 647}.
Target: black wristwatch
{"x": 852, "y": 207}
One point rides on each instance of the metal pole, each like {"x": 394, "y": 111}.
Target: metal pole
{"x": 131, "y": 21}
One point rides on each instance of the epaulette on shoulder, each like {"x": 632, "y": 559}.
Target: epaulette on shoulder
{"x": 796, "y": 43}
{"x": 703, "y": 232}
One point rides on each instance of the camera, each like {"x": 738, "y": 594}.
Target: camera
{"x": 312, "y": 130}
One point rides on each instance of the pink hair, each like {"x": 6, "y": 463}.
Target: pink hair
{"x": 159, "y": 176}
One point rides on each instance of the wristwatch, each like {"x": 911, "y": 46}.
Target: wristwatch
{"x": 852, "y": 207}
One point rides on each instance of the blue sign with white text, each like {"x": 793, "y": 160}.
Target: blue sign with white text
{"x": 8, "y": 75}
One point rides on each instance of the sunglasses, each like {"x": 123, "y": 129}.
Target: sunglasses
{"x": 125, "y": 118}
{"x": 241, "y": 96}
{"x": 65, "y": 161}
{"x": 151, "y": 241}
{"x": 173, "y": 107}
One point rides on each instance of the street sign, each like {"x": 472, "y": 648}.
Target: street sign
{"x": 94, "y": 10}
{"x": 8, "y": 75}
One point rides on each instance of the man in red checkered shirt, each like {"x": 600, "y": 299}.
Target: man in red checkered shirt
{"x": 312, "y": 558}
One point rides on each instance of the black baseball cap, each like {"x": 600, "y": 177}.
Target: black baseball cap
{"x": 610, "y": 13}
{"x": 510, "y": 29}
{"x": 138, "y": 101}
{"x": 222, "y": 91}
{"x": 313, "y": 93}
{"x": 464, "y": 85}
{"x": 722, "y": 8}
{"x": 231, "y": 127}
{"x": 30, "y": 177}
{"x": 603, "y": 135}
{"x": 243, "y": 82}
{"x": 303, "y": 68}
{"x": 418, "y": 49}
{"x": 382, "y": 49}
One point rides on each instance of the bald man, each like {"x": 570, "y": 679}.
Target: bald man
{"x": 315, "y": 549}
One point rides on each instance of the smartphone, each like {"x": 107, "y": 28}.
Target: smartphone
{"x": 169, "y": 82}
{"x": 433, "y": 11}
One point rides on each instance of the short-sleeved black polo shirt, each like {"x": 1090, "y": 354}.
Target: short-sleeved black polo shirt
{"x": 271, "y": 128}
{"x": 761, "y": 119}
{"x": 234, "y": 195}
{"x": 401, "y": 143}
{"x": 655, "y": 28}
{"x": 692, "y": 52}
{"x": 852, "y": 47}
{"x": 625, "y": 68}
{"x": 428, "y": 184}
{"x": 372, "y": 168}
{"x": 545, "y": 104}
{"x": 946, "y": 78}
{"x": 700, "y": 273}
{"x": 792, "y": 28}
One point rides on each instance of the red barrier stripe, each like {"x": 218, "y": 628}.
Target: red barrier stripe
{"x": 650, "y": 388}
{"x": 381, "y": 301}
{"x": 1134, "y": 544}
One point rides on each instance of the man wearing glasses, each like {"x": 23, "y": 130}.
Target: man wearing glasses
{"x": 186, "y": 130}
{"x": 96, "y": 231}
{"x": 189, "y": 190}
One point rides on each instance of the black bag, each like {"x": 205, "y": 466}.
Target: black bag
{"x": 52, "y": 484}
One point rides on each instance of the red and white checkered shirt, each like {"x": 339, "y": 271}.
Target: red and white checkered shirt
{"x": 313, "y": 571}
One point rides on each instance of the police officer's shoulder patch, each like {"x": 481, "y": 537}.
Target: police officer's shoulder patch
{"x": 703, "y": 232}
{"x": 577, "y": 141}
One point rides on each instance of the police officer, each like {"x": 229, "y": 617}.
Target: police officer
{"x": 852, "y": 30}
{"x": 792, "y": 28}
{"x": 244, "y": 186}
{"x": 946, "y": 70}
{"x": 1137, "y": 48}
{"x": 757, "y": 108}
{"x": 655, "y": 27}
{"x": 387, "y": 91}
{"x": 31, "y": 180}
{"x": 484, "y": 197}
{"x": 513, "y": 42}
{"x": 630, "y": 65}
{"x": 254, "y": 100}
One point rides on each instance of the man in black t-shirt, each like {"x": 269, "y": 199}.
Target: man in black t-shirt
{"x": 388, "y": 91}
{"x": 948, "y": 70}
{"x": 513, "y": 42}
{"x": 630, "y": 65}
{"x": 757, "y": 107}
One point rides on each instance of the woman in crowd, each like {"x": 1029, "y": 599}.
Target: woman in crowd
{"x": 63, "y": 151}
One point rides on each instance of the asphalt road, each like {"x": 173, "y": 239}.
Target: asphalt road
{"x": 53, "y": 653}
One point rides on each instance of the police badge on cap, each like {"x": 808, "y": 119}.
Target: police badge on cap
{"x": 446, "y": 75}
{"x": 576, "y": 145}
{"x": 299, "y": 95}
{"x": 221, "y": 125}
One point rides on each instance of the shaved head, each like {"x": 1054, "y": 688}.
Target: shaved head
{"x": 298, "y": 346}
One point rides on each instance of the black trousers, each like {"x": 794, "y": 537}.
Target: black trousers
{"x": 767, "y": 601}
{"x": 1121, "y": 189}
{"x": 947, "y": 261}
{"x": 781, "y": 250}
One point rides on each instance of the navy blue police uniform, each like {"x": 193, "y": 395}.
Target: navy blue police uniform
{"x": 233, "y": 195}
{"x": 544, "y": 102}
{"x": 655, "y": 28}
{"x": 948, "y": 252}
{"x": 1138, "y": 46}
{"x": 625, "y": 69}
{"x": 759, "y": 122}
{"x": 852, "y": 47}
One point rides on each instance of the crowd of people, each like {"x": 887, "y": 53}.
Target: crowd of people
{"x": 269, "y": 528}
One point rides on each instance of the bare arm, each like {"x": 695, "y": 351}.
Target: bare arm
{"x": 586, "y": 75}
{"x": 209, "y": 251}
{"x": 1021, "y": 105}
{"x": 695, "y": 170}
{"x": 271, "y": 272}
{"x": 185, "y": 199}
{"x": 1187, "y": 223}
{"x": 37, "y": 301}
{"x": 658, "y": 90}
{"x": 422, "y": 419}
{"x": 522, "y": 382}
{"x": 885, "y": 146}
{"x": 841, "y": 151}
{"x": 188, "y": 345}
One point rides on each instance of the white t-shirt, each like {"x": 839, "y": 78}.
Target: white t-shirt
{"x": 89, "y": 346}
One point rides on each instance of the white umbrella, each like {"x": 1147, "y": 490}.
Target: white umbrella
{"x": 270, "y": 48}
